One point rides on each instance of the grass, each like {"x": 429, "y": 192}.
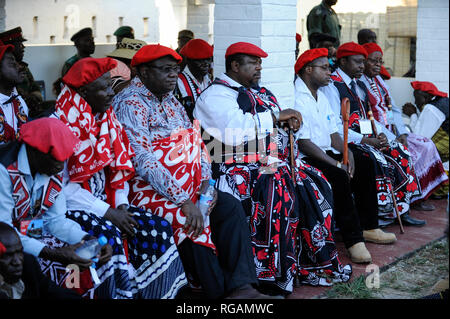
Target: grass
{"x": 356, "y": 289}
{"x": 412, "y": 277}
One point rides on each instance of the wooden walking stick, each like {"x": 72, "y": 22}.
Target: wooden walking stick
{"x": 291, "y": 142}
{"x": 389, "y": 106}
{"x": 345, "y": 113}
{"x": 391, "y": 188}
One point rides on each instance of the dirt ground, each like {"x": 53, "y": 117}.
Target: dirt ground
{"x": 421, "y": 274}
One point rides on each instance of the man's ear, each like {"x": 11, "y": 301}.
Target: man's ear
{"x": 235, "y": 66}
{"x": 142, "y": 71}
{"x": 82, "y": 91}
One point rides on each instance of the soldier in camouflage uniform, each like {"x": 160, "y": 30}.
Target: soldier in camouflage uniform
{"x": 323, "y": 19}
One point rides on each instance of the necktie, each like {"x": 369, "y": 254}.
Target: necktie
{"x": 353, "y": 87}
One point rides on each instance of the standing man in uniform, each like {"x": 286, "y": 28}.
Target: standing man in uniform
{"x": 323, "y": 19}
{"x": 84, "y": 42}
{"x": 28, "y": 88}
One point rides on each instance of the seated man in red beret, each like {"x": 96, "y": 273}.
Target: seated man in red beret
{"x": 424, "y": 155}
{"x": 13, "y": 109}
{"x": 195, "y": 78}
{"x": 97, "y": 176}
{"x": 429, "y": 118}
{"x": 173, "y": 169}
{"x": 392, "y": 166}
{"x": 32, "y": 197}
{"x": 321, "y": 143}
{"x": 289, "y": 203}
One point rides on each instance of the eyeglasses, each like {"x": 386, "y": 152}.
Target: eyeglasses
{"x": 167, "y": 69}
{"x": 323, "y": 67}
{"x": 375, "y": 61}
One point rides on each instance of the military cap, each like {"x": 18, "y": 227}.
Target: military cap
{"x": 12, "y": 35}
{"x": 124, "y": 31}
{"x": 81, "y": 33}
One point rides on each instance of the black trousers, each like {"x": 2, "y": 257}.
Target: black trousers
{"x": 233, "y": 266}
{"x": 352, "y": 215}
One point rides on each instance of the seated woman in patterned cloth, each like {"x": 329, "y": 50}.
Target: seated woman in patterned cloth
{"x": 424, "y": 155}
{"x": 145, "y": 263}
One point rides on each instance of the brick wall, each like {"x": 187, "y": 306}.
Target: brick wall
{"x": 271, "y": 25}
{"x": 432, "y": 61}
{"x": 199, "y": 18}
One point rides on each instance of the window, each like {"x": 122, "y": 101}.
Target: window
{"x": 94, "y": 26}
{"x": 35, "y": 27}
{"x": 65, "y": 28}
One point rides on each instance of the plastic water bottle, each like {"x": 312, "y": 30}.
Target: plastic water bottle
{"x": 91, "y": 248}
{"x": 205, "y": 200}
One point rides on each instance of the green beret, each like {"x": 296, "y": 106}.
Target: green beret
{"x": 123, "y": 31}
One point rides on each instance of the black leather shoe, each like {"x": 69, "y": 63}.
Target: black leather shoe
{"x": 409, "y": 221}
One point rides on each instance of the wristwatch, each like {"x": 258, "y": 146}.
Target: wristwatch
{"x": 338, "y": 164}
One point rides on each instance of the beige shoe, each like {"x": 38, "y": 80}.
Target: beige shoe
{"x": 378, "y": 236}
{"x": 359, "y": 253}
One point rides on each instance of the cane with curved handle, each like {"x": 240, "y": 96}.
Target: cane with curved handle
{"x": 345, "y": 113}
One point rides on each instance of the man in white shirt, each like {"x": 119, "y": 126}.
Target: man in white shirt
{"x": 195, "y": 77}
{"x": 319, "y": 138}
{"x": 390, "y": 158}
{"x": 13, "y": 109}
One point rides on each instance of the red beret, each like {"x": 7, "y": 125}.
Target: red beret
{"x": 309, "y": 56}
{"x": 197, "y": 49}
{"x": 427, "y": 87}
{"x": 298, "y": 37}
{"x": 2, "y": 249}
{"x": 152, "y": 52}
{"x": 49, "y": 135}
{"x": 384, "y": 73}
{"x": 4, "y": 48}
{"x": 372, "y": 47}
{"x": 87, "y": 70}
{"x": 350, "y": 48}
{"x": 245, "y": 48}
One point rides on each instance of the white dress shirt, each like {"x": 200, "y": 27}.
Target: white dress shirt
{"x": 219, "y": 114}
{"x": 319, "y": 120}
{"x": 94, "y": 202}
{"x": 333, "y": 96}
{"x": 428, "y": 122}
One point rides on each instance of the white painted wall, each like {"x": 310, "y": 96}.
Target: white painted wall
{"x": 432, "y": 61}
{"x": 45, "y": 62}
{"x": 268, "y": 24}
{"x": 165, "y": 19}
